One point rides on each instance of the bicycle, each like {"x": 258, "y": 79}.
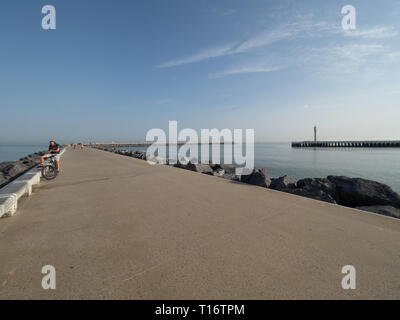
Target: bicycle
{"x": 49, "y": 168}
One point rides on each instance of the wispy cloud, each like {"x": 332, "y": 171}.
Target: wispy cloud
{"x": 366, "y": 53}
{"x": 378, "y": 32}
{"x": 356, "y": 51}
{"x": 242, "y": 70}
{"x": 351, "y": 59}
{"x": 200, "y": 56}
{"x": 262, "y": 39}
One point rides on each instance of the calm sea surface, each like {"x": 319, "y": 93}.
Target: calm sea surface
{"x": 280, "y": 159}
{"x": 15, "y": 152}
{"x": 382, "y": 165}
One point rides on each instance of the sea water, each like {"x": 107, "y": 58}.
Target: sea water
{"x": 379, "y": 164}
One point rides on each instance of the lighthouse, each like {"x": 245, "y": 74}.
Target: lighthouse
{"x": 315, "y": 133}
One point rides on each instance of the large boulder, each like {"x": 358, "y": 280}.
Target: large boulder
{"x": 316, "y": 194}
{"x": 3, "y": 180}
{"x": 384, "y": 210}
{"x": 157, "y": 160}
{"x": 14, "y": 169}
{"x": 258, "y": 177}
{"x": 314, "y": 184}
{"x": 228, "y": 168}
{"x": 139, "y": 155}
{"x": 282, "y": 183}
{"x": 199, "y": 167}
{"x": 182, "y": 163}
{"x": 4, "y": 165}
{"x": 231, "y": 176}
{"x": 219, "y": 172}
{"x": 357, "y": 192}
{"x": 315, "y": 188}
{"x": 125, "y": 152}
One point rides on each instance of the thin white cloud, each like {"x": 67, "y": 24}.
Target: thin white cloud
{"x": 351, "y": 59}
{"x": 244, "y": 70}
{"x": 346, "y": 58}
{"x": 378, "y": 32}
{"x": 200, "y": 56}
{"x": 261, "y": 40}
{"x": 357, "y": 51}
{"x": 264, "y": 39}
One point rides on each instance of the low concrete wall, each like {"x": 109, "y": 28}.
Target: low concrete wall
{"x": 13, "y": 191}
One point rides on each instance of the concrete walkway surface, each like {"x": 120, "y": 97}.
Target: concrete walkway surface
{"x": 115, "y": 227}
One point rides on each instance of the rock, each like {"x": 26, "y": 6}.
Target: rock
{"x": 171, "y": 162}
{"x": 313, "y": 194}
{"x": 219, "y": 172}
{"x": 158, "y": 160}
{"x": 228, "y": 168}
{"x": 183, "y": 163}
{"x": 124, "y": 152}
{"x": 3, "y": 180}
{"x": 315, "y": 188}
{"x": 357, "y": 192}
{"x": 282, "y": 183}
{"x": 315, "y": 184}
{"x": 4, "y": 165}
{"x": 139, "y": 155}
{"x": 384, "y": 210}
{"x": 13, "y": 169}
{"x": 258, "y": 177}
{"x": 199, "y": 167}
{"x": 230, "y": 176}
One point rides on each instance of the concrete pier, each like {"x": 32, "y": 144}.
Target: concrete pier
{"x": 347, "y": 144}
{"x": 116, "y": 227}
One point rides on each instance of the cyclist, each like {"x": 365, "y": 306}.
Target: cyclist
{"x": 54, "y": 150}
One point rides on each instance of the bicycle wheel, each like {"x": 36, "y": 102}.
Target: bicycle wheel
{"x": 49, "y": 172}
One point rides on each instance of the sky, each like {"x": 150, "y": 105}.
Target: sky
{"x": 112, "y": 70}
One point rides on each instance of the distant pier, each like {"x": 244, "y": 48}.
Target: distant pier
{"x": 346, "y": 144}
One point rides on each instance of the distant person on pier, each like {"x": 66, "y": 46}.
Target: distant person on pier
{"x": 54, "y": 150}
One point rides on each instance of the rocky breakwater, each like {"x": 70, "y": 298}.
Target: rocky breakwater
{"x": 11, "y": 170}
{"x": 356, "y": 193}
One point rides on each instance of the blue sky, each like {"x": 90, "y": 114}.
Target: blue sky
{"x": 112, "y": 70}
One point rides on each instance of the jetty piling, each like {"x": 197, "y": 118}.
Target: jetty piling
{"x": 346, "y": 144}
